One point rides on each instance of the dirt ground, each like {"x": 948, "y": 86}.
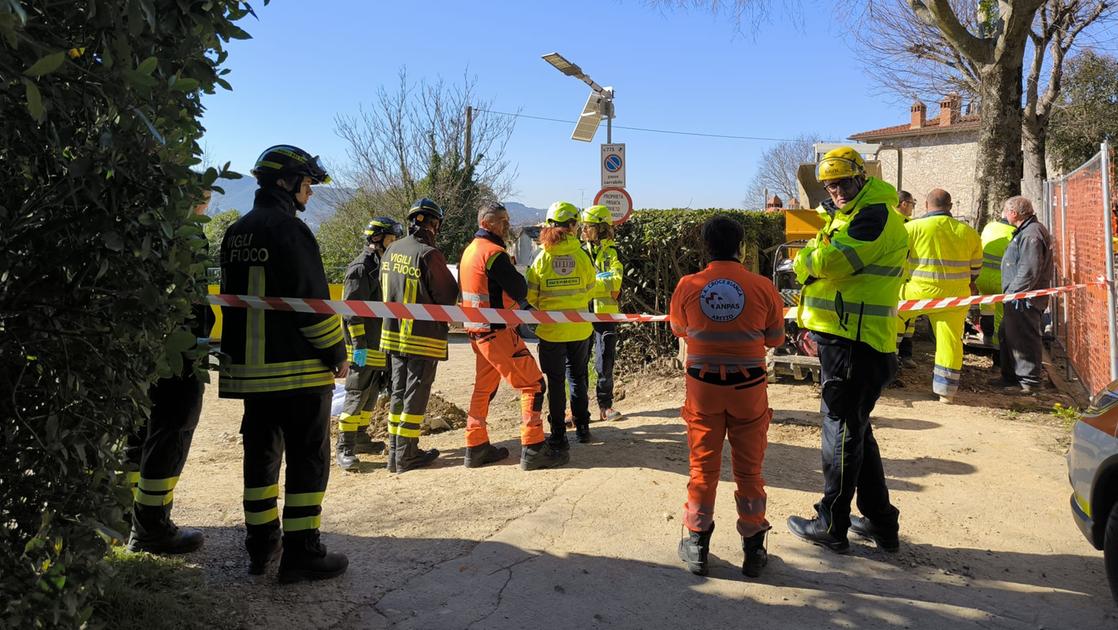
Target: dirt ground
{"x": 987, "y": 538}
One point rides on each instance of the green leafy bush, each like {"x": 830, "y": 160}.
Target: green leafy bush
{"x": 100, "y": 251}
{"x": 658, "y": 247}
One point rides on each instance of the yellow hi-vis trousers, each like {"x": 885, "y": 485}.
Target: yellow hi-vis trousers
{"x": 947, "y": 325}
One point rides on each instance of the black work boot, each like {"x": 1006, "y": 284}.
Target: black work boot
{"x": 482, "y": 454}
{"x": 409, "y": 456}
{"x": 306, "y": 558}
{"x": 694, "y": 549}
{"x": 815, "y": 531}
{"x": 392, "y": 444}
{"x": 865, "y": 528}
{"x": 582, "y": 432}
{"x": 558, "y": 443}
{"x": 541, "y": 455}
{"x": 153, "y": 531}
{"x": 347, "y": 450}
{"x": 366, "y": 444}
{"x": 756, "y": 556}
{"x": 263, "y": 544}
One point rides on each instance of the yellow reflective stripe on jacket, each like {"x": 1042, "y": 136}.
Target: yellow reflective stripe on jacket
{"x": 373, "y": 358}
{"x": 356, "y": 330}
{"x": 254, "y": 319}
{"x": 282, "y": 368}
{"x": 261, "y": 492}
{"x": 325, "y": 333}
{"x": 324, "y": 378}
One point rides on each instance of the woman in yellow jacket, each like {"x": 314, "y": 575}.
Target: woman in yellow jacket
{"x": 562, "y": 278}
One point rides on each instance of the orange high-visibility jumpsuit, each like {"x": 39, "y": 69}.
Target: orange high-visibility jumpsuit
{"x": 488, "y": 279}
{"x": 727, "y": 315}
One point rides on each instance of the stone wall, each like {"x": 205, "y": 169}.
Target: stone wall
{"x": 942, "y": 160}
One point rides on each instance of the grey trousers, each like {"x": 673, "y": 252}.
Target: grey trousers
{"x": 1020, "y": 344}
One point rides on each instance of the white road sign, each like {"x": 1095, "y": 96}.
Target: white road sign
{"x": 618, "y": 201}
{"x": 613, "y": 166}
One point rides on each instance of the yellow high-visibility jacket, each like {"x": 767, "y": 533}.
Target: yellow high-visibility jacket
{"x": 853, "y": 269}
{"x": 562, "y": 278}
{"x": 946, "y": 257}
{"x": 604, "y": 255}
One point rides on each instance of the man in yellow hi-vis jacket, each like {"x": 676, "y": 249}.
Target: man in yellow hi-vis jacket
{"x": 851, "y": 274}
{"x": 945, "y": 258}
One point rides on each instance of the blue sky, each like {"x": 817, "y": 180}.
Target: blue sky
{"x": 678, "y": 70}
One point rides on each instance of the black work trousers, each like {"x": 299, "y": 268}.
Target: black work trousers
{"x": 362, "y": 386}
{"x": 1019, "y": 341}
{"x": 605, "y": 351}
{"x": 159, "y": 449}
{"x": 296, "y": 424}
{"x": 558, "y": 361}
{"x": 853, "y": 374}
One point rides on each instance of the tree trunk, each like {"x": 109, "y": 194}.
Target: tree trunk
{"x": 999, "y": 164}
{"x": 1034, "y": 135}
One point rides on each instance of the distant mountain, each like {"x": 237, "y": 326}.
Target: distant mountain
{"x": 520, "y": 214}
{"x": 240, "y": 193}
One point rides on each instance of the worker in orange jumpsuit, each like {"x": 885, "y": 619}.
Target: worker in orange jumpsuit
{"x": 488, "y": 279}
{"x": 727, "y": 315}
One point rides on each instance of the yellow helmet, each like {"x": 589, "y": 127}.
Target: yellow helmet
{"x": 597, "y": 214}
{"x": 840, "y": 163}
{"x": 562, "y": 212}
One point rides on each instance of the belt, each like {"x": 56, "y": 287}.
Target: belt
{"x": 751, "y": 376}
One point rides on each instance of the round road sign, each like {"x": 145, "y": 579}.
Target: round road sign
{"x": 618, "y": 201}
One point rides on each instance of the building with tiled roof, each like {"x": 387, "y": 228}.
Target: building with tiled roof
{"x": 927, "y": 153}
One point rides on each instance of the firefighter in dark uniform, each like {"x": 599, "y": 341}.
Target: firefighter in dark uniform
{"x": 368, "y": 366}
{"x": 283, "y": 364}
{"x": 157, "y": 454}
{"x": 414, "y": 271}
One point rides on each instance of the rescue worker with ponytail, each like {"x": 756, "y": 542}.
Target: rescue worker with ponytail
{"x": 851, "y": 274}
{"x": 597, "y": 238}
{"x": 414, "y": 271}
{"x": 488, "y": 279}
{"x": 368, "y": 366}
{"x": 562, "y": 277}
{"x": 283, "y": 364}
{"x": 728, "y": 316}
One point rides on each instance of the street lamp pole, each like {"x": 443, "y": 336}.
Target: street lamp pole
{"x": 605, "y": 109}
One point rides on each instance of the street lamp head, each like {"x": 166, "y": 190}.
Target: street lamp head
{"x": 562, "y": 65}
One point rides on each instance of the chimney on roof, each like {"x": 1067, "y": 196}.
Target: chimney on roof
{"x": 919, "y": 115}
{"x": 949, "y": 109}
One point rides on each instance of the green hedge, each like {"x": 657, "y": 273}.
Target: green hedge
{"x": 658, "y": 247}
{"x": 99, "y": 252}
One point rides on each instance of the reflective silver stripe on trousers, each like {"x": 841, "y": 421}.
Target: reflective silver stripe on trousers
{"x": 852, "y": 308}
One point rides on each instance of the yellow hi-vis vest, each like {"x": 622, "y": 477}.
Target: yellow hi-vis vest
{"x": 945, "y": 256}
{"x": 562, "y": 279}
{"x": 995, "y": 239}
{"x": 604, "y": 255}
{"x": 851, "y": 286}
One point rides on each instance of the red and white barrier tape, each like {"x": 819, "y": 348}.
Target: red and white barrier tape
{"x": 935, "y": 304}
{"x": 425, "y": 312}
{"x": 437, "y": 313}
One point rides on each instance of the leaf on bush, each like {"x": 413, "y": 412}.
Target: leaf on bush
{"x": 113, "y": 241}
{"x": 46, "y": 65}
{"x": 185, "y": 85}
{"x": 34, "y": 100}
{"x": 147, "y": 66}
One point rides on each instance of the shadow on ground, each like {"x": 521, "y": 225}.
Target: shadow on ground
{"x": 456, "y": 583}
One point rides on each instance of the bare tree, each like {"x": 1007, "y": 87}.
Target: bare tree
{"x": 776, "y": 172}
{"x": 412, "y": 142}
{"x": 913, "y": 57}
